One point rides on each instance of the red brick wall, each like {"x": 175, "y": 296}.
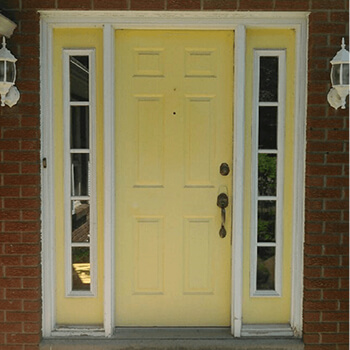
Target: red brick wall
{"x": 326, "y": 237}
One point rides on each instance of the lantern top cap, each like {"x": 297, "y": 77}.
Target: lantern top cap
{"x": 342, "y": 55}
{"x": 5, "y": 54}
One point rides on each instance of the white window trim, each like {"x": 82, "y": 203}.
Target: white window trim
{"x": 281, "y": 54}
{"x": 91, "y": 197}
{"x": 205, "y": 20}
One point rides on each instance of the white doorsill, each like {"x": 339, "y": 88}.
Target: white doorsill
{"x": 174, "y": 339}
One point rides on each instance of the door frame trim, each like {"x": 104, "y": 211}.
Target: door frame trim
{"x": 201, "y": 20}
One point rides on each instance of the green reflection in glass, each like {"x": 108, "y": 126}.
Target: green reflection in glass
{"x": 266, "y": 221}
{"x": 267, "y": 174}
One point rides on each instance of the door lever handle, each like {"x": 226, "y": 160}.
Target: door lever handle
{"x": 222, "y": 203}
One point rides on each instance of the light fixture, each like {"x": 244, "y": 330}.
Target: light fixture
{"x": 339, "y": 78}
{"x": 8, "y": 92}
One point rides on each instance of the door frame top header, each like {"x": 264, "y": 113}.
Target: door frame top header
{"x": 205, "y": 20}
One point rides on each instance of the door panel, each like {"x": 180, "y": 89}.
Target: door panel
{"x": 173, "y": 130}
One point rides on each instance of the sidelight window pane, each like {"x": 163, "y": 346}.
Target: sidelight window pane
{"x": 267, "y": 127}
{"x": 267, "y": 174}
{"x": 268, "y": 82}
{"x": 80, "y": 221}
{"x": 265, "y": 279}
{"x": 79, "y": 78}
{"x": 79, "y": 127}
{"x": 80, "y": 174}
{"x": 81, "y": 278}
{"x": 266, "y": 221}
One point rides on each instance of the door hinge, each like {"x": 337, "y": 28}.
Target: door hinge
{"x": 44, "y": 163}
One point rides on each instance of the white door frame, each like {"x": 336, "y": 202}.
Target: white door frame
{"x": 111, "y": 20}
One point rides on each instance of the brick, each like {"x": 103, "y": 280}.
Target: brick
{"x": 10, "y": 260}
{"x": 22, "y": 271}
{"x": 31, "y": 260}
{"x": 23, "y": 316}
{"x": 323, "y": 216}
{"x": 27, "y": 4}
{"x": 322, "y": 261}
{"x": 312, "y": 316}
{"x": 323, "y": 193}
{"x": 31, "y": 328}
{"x": 338, "y": 135}
{"x": 12, "y": 156}
{"x": 27, "y": 294}
{"x": 333, "y": 316}
{"x": 10, "y": 327}
{"x": 295, "y": 5}
{"x": 325, "y": 146}
{"x": 9, "y": 215}
{"x": 337, "y": 181}
{"x": 111, "y": 5}
{"x": 220, "y": 4}
{"x": 311, "y": 338}
{"x": 321, "y": 283}
{"x": 14, "y": 305}
{"x": 30, "y": 305}
{"x": 23, "y": 338}
{"x": 335, "y": 338}
{"x": 30, "y": 215}
{"x": 147, "y": 5}
{"x": 22, "y": 249}
{"x": 256, "y": 5}
{"x": 184, "y": 5}
{"x": 324, "y": 169}
{"x": 76, "y": 5}
{"x": 328, "y": 4}
{"x": 31, "y": 283}
{"x": 340, "y": 204}
{"x": 336, "y": 227}
{"x": 22, "y": 226}
{"x": 321, "y": 239}
{"x": 336, "y": 272}
{"x": 22, "y": 203}
{"x": 336, "y": 294}
{"x": 320, "y": 305}
{"x": 320, "y": 327}
{"x": 11, "y": 283}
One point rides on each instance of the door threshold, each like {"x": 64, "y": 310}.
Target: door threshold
{"x": 172, "y": 333}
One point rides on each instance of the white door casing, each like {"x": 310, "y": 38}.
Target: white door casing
{"x": 110, "y": 21}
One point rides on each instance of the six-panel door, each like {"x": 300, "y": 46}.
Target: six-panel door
{"x": 173, "y": 129}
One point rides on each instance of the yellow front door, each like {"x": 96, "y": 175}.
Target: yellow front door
{"x": 173, "y": 131}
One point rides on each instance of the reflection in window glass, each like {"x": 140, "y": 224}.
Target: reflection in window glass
{"x": 10, "y": 72}
{"x": 268, "y": 87}
{"x": 81, "y": 278}
{"x": 79, "y": 127}
{"x": 80, "y": 174}
{"x": 265, "y": 279}
{"x": 79, "y": 78}
{"x": 345, "y": 74}
{"x": 267, "y": 174}
{"x": 336, "y": 74}
{"x": 267, "y": 127}
{"x": 266, "y": 221}
{"x": 80, "y": 221}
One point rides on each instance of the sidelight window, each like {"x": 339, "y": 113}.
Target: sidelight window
{"x": 80, "y": 201}
{"x": 267, "y": 168}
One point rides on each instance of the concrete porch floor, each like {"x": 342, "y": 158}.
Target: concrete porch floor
{"x": 172, "y": 339}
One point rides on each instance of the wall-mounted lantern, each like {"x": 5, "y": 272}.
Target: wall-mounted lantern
{"x": 9, "y": 93}
{"x": 339, "y": 78}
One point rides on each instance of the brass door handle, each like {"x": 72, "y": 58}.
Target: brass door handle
{"x": 222, "y": 202}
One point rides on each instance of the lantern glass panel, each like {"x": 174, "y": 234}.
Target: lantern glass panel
{"x": 2, "y": 71}
{"x": 345, "y": 74}
{"x": 336, "y": 74}
{"x": 10, "y": 72}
